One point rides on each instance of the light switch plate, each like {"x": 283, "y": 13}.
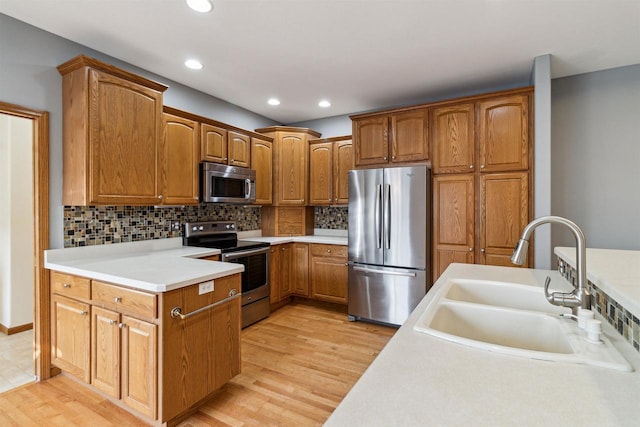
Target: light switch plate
{"x": 205, "y": 287}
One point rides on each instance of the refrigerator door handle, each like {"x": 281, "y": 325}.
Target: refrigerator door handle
{"x": 387, "y": 225}
{"x": 389, "y": 273}
{"x": 378, "y": 216}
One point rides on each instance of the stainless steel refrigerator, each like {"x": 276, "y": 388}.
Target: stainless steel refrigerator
{"x": 389, "y": 248}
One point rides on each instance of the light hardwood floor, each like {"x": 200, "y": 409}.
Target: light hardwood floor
{"x": 297, "y": 365}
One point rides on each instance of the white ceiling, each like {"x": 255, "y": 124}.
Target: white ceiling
{"x": 359, "y": 54}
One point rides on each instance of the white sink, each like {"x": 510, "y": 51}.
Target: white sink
{"x": 509, "y": 318}
{"x": 501, "y": 294}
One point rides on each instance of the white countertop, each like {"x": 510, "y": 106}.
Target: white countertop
{"x": 421, "y": 380}
{"x": 150, "y": 265}
{"x": 327, "y": 240}
{"x": 616, "y": 272}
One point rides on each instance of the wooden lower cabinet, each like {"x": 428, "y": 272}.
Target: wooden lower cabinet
{"x": 284, "y": 271}
{"x": 504, "y": 212}
{"x": 329, "y": 273}
{"x": 132, "y": 349}
{"x": 453, "y": 220}
{"x": 70, "y": 336}
{"x": 300, "y": 269}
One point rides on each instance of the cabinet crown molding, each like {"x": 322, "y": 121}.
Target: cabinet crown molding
{"x": 289, "y": 129}
{"x": 86, "y": 61}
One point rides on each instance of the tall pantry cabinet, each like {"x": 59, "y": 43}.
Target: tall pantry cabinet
{"x": 482, "y": 151}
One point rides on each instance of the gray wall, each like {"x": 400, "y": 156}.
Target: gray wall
{"x": 28, "y": 77}
{"x": 595, "y": 173}
{"x": 541, "y": 79}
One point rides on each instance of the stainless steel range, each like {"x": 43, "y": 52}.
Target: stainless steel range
{"x": 253, "y": 255}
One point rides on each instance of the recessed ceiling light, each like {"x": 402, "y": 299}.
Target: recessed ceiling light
{"x": 202, "y": 6}
{"x": 324, "y": 103}
{"x": 194, "y": 64}
{"x": 273, "y": 101}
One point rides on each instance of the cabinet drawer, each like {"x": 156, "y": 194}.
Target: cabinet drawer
{"x": 69, "y": 285}
{"x": 128, "y": 300}
{"x": 328, "y": 250}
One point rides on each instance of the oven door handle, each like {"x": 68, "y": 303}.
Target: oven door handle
{"x": 242, "y": 254}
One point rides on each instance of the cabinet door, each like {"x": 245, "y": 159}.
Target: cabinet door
{"x": 320, "y": 173}
{"x": 180, "y": 160}
{"x": 504, "y": 134}
{"x": 70, "y": 336}
{"x": 300, "y": 269}
{"x": 342, "y": 164}
{"x": 286, "y": 285}
{"x": 329, "y": 279}
{"x": 291, "y": 163}
{"x": 409, "y": 133}
{"x": 452, "y": 139}
{"x": 139, "y": 365}
{"x": 262, "y": 163}
{"x": 371, "y": 140}
{"x": 125, "y": 135}
{"x": 274, "y": 274}
{"x": 226, "y": 341}
{"x": 213, "y": 143}
{"x": 504, "y": 212}
{"x": 453, "y": 221}
{"x": 239, "y": 149}
{"x": 105, "y": 351}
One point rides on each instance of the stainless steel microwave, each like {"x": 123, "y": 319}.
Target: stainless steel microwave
{"x": 227, "y": 184}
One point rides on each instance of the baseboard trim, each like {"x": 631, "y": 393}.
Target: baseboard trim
{"x": 15, "y": 329}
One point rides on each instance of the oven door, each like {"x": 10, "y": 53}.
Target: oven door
{"x": 255, "y": 277}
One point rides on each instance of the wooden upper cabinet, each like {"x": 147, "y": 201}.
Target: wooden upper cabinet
{"x": 453, "y": 221}
{"x": 453, "y": 139}
{"x": 391, "y": 138}
{"x": 504, "y": 212}
{"x": 342, "y": 164}
{"x": 290, "y": 164}
{"x": 112, "y": 132}
{"x": 371, "y": 140}
{"x": 239, "y": 149}
{"x": 180, "y": 160}
{"x": 214, "y": 143}
{"x": 504, "y": 133}
{"x": 409, "y": 141}
{"x": 330, "y": 161}
{"x": 321, "y": 173}
{"x": 261, "y": 162}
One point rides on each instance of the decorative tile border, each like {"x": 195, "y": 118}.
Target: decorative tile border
{"x": 619, "y": 317}
{"x": 331, "y": 217}
{"x": 98, "y": 225}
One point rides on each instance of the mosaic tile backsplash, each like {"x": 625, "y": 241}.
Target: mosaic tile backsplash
{"x": 619, "y": 317}
{"x": 97, "y": 225}
{"x": 331, "y": 217}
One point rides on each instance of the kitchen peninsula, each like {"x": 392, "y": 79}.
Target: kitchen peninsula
{"x": 146, "y": 323}
{"x": 419, "y": 379}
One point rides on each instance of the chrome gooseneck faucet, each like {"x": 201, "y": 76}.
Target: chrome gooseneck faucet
{"x": 579, "y": 297}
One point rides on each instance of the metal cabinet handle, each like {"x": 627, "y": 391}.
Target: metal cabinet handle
{"x": 121, "y": 325}
{"x": 470, "y": 249}
{"x": 482, "y": 250}
{"x": 481, "y": 166}
{"x": 177, "y": 311}
{"x": 160, "y": 197}
{"x": 470, "y": 166}
{"x": 66, "y": 285}
{"x": 84, "y": 313}
{"x": 112, "y": 322}
{"x": 117, "y": 299}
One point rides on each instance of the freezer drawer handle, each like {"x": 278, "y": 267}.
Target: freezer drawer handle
{"x": 177, "y": 311}
{"x": 389, "y": 273}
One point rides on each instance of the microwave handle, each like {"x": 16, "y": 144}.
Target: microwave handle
{"x": 247, "y": 188}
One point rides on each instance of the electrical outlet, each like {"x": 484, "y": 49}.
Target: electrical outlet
{"x": 175, "y": 226}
